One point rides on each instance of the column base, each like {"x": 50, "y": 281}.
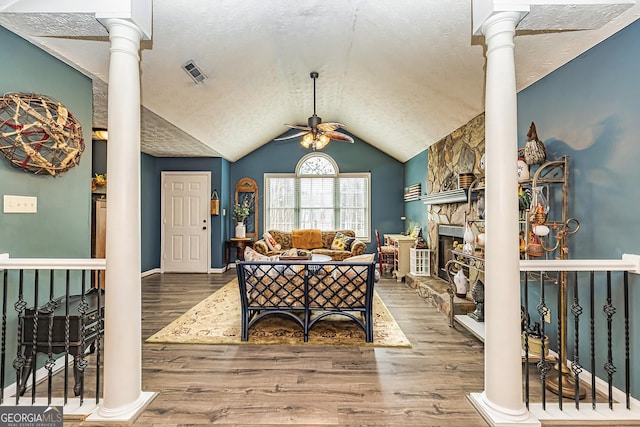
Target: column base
{"x": 126, "y": 415}
{"x": 494, "y": 416}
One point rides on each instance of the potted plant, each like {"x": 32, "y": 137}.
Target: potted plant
{"x": 240, "y": 212}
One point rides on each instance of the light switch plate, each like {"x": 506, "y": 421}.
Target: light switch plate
{"x": 20, "y": 204}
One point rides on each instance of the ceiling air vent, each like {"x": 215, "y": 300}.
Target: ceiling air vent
{"x": 192, "y": 69}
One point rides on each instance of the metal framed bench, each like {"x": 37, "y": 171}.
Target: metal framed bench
{"x": 307, "y": 292}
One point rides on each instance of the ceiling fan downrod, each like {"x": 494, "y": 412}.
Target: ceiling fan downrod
{"x": 314, "y": 120}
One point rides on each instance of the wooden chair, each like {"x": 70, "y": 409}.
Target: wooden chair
{"x": 386, "y": 255}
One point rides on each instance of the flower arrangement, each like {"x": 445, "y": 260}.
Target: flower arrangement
{"x": 98, "y": 181}
{"x": 242, "y": 210}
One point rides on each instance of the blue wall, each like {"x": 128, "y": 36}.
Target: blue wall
{"x": 151, "y": 178}
{"x": 283, "y": 156}
{"x": 274, "y": 157}
{"x": 150, "y": 213}
{"x": 62, "y": 226}
{"x": 416, "y": 172}
{"x": 589, "y": 110}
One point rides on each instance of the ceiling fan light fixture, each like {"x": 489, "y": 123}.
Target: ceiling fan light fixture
{"x": 320, "y": 142}
{"x": 307, "y": 140}
{"x": 317, "y": 134}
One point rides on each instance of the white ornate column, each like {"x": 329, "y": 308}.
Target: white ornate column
{"x": 123, "y": 399}
{"x": 501, "y": 402}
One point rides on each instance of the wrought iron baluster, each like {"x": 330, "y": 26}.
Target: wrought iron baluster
{"x": 593, "y": 341}
{"x": 525, "y": 329}
{"x": 627, "y": 357}
{"x": 50, "y": 363}
{"x": 20, "y": 360}
{"x": 609, "y": 367}
{"x": 4, "y": 333}
{"x": 576, "y": 367}
{"x": 80, "y": 359}
{"x": 543, "y": 367}
{"x": 561, "y": 353}
{"x": 98, "y": 340}
{"x": 34, "y": 337}
{"x": 66, "y": 339}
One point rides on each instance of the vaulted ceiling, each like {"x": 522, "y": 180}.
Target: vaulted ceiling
{"x": 400, "y": 75}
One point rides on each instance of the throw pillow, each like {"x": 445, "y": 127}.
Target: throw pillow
{"x": 271, "y": 242}
{"x": 250, "y": 254}
{"x": 360, "y": 258}
{"x": 351, "y": 272}
{"x": 341, "y": 242}
{"x": 270, "y": 270}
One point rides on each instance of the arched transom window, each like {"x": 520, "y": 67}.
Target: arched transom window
{"x": 318, "y": 196}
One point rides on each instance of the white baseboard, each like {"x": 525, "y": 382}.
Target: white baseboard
{"x": 41, "y": 375}
{"x": 217, "y": 270}
{"x": 150, "y": 272}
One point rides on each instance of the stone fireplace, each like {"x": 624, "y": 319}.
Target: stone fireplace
{"x": 457, "y": 153}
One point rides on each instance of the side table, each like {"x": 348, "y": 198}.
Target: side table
{"x": 239, "y": 244}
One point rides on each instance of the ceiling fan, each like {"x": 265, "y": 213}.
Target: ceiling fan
{"x": 317, "y": 135}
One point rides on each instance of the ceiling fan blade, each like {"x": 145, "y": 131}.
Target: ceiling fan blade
{"x": 339, "y": 136}
{"x": 328, "y": 127}
{"x": 292, "y": 136}
{"x": 307, "y": 128}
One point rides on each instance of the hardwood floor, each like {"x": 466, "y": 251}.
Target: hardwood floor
{"x": 426, "y": 385}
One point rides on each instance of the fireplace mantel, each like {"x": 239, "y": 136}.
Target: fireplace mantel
{"x": 443, "y": 197}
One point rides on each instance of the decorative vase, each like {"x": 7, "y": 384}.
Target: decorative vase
{"x": 481, "y": 205}
{"x": 462, "y": 284}
{"x": 240, "y": 230}
{"x": 523, "y": 170}
{"x": 469, "y": 240}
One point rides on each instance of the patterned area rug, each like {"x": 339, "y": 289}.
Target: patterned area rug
{"x": 216, "y": 320}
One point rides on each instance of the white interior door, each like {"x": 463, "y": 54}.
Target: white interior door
{"x": 185, "y": 222}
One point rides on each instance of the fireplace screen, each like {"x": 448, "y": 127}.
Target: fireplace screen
{"x": 447, "y": 234}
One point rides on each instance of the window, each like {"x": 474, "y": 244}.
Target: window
{"x": 318, "y": 196}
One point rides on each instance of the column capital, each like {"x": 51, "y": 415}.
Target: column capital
{"x": 123, "y": 28}
{"x": 551, "y": 15}
{"x": 137, "y": 12}
{"x": 485, "y": 10}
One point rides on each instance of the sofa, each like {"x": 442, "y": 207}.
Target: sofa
{"x": 318, "y": 242}
{"x": 306, "y": 292}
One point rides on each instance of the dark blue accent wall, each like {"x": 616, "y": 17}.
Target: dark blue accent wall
{"x": 150, "y": 213}
{"x": 99, "y": 157}
{"x": 151, "y": 177}
{"x": 415, "y": 172}
{"x": 589, "y": 110}
{"x": 283, "y": 156}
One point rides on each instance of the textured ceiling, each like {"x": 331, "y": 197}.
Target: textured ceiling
{"x": 400, "y": 75}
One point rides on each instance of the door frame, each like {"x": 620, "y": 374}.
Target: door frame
{"x": 164, "y": 175}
